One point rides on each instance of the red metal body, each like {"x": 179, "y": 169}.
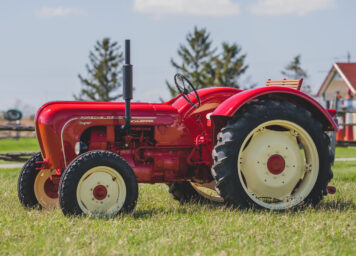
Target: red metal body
{"x": 166, "y": 142}
{"x": 233, "y": 104}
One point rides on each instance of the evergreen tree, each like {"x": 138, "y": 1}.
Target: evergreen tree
{"x": 294, "y": 71}
{"x": 104, "y": 73}
{"x": 193, "y": 57}
{"x": 226, "y": 68}
{"x": 203, "y": 67}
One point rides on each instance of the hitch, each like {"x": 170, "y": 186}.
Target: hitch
{"x": 44, "y": 164}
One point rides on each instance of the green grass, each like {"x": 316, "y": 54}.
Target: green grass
{"x": 347, "y": 152}
{"x": 161, "y": 226}
{"x": 21, "y": 145}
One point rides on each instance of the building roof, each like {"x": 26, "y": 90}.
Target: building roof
{"x": 347, "y": 71}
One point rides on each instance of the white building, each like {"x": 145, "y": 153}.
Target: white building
{"x": 341, "y": 80}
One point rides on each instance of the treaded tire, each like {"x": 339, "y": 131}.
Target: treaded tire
{"x": 185, "y": 193}
{"x": 231, "y": 138}
{"x": 26, "y": 181}
{"x": 79, "y": 166}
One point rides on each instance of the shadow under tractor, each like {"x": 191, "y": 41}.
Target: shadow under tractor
{"x": 266, "y": 147}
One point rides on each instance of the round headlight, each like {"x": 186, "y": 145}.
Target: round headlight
{"x": 77, "y": 148}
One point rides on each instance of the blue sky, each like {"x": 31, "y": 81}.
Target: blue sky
{"x": 45, "y": 44}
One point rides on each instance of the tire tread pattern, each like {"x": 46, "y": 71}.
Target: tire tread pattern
{"x": 185, "y": 193}
{"x": 26, "y": 181}
{"x": 225, "y": 152}
{"x": 77, "y": 168}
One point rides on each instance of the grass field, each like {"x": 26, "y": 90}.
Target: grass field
{"x": 346, "y": 152}
{"x": 23, "y": 145}
{"x": 161, "y": 226}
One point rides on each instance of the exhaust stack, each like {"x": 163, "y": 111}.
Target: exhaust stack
{"x": 127, "y": 85}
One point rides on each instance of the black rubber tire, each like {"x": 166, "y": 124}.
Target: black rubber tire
{"x": 232, "y": 136}
{"x": 185, "y": 193}
{"x": 79, "y": 166}
{"x": 26, "y": 181}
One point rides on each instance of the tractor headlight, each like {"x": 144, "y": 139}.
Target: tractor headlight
{"x": 80, "y": 147}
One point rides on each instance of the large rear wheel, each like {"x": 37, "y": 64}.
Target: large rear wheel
{"x": 274, "y": 155}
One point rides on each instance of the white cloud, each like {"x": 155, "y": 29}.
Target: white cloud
{"x": 288, "y": 7}
{"x": 187, "y": 7}
{"x": 52, "y": 12}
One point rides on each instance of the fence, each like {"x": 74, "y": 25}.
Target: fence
{"x": 15, "y": 130}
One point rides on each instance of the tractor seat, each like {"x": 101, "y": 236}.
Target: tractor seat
{"x": 295, "y": 84}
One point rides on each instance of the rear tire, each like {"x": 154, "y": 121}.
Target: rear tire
{"x": 186, "y": 192}
{"x": 98, "y": 183}
{"x": 257, "y": 162}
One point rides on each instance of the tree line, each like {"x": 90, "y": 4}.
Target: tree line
{"x": 204, "y": 64}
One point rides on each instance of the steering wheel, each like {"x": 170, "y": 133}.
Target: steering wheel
{"x": 181, "y": 82}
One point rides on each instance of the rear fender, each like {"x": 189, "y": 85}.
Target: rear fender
{"x": 235, "y": 103}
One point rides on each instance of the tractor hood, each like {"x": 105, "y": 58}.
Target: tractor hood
{"x": 55, "y": 119}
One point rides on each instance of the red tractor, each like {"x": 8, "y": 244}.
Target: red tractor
{"x": 266, "y": 147}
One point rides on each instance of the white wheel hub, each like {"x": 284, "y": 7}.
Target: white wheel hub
{"x": 255, "y": 158}
{"x": 101, "y": 191}
{"x": 274, "y": 170}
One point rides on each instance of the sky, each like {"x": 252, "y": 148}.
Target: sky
{"x": 45, "y": 44}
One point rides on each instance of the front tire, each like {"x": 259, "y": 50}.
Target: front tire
{"x": 26, "y": 181}
{"x": 98, "y": 183}
{"x": 273, "y": 155}
{"x": 35, "y": 187}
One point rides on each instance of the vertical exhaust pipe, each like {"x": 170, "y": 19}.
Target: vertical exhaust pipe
{"x": 127, "y": 85}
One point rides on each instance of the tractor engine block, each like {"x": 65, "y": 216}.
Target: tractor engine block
{"x": 151, "y": 161}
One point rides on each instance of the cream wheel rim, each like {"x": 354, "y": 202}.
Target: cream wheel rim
{"x": 207, "y": 190}
{"x": 45, "y": 191}
{"x": 101, "y": 191}
{"x": 278, "y": 164}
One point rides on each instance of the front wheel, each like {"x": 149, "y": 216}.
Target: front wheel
{"x": 98, "y": 183}
{"x": 274, "y": 155}
{"x": 35, "y": 187}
